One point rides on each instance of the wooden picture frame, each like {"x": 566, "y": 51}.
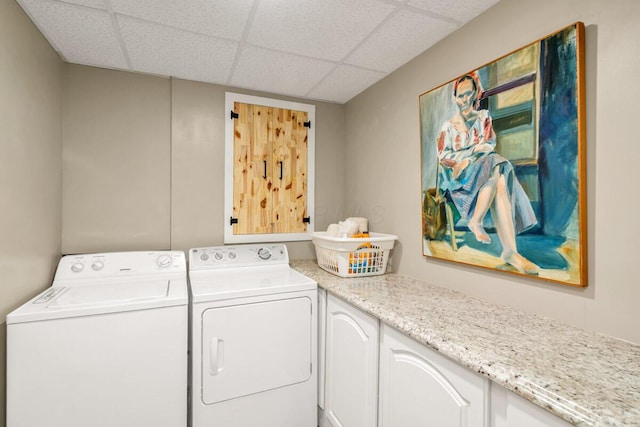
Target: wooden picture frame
{"x": 504, "y": 163}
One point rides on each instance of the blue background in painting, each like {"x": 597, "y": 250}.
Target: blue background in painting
{"x": 558, "y": 173}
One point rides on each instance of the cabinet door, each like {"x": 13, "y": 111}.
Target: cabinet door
{"x": 289, "y": 172}
{"x": 421, "y": 388}
{"x": 510, "y": 410}
{"x": 269, "y": 170}
{"x": 252, "y": 204}
{"x": 351, "y": 366}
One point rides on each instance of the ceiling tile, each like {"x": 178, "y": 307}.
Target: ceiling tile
{"x": 278, "y": 72}
{"x": 225, "y": 19}
{"x": 167, "y": 51}
{"x": 344, "y": 83}
{"x": 460, "y": 10}
{"x": 323, "y": 49}
{"x": 327, "y": 29}
{"x": 82, "y": 35}
{"x": 403, "y": 37}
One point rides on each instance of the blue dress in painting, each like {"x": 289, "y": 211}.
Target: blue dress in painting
{"x": 463, "y": 183}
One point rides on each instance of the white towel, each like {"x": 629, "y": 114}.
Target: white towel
{"x": 347, "y": 228}
{"x": 333, "y": 230}
{"x": 363, "y": 223}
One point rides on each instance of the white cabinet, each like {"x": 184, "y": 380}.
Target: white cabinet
{"x": 419, "y": 387}
{"x": 351, "y": 376}
{"x": 371, "y": 375}
{"x": 510, "y": 410}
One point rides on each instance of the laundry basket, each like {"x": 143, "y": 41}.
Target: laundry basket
{"x": 353, "y": 257}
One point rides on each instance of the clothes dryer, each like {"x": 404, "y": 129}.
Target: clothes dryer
{"x": 254, "y": 338}
{"x": 105, "y": 345}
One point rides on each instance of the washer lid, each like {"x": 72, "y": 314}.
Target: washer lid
{"x": 100, "y": 298}
{"x": 216, "y": 285}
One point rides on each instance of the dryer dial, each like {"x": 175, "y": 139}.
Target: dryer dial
{"x": 264, "y": 253}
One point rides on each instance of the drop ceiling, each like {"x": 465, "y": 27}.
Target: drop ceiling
{"x": 328, "y": 50}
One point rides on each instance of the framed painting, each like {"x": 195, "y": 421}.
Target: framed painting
{"x": 503, "y": 163}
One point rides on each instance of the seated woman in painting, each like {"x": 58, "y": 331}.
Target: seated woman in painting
{"x": 478, "y": 179}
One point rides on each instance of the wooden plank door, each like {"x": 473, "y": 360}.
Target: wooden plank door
{"x": 289, "y": 156}
{"x": 251, "y": 169}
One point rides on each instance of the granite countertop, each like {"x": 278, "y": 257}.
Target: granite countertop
{"x": 583, "y": 377}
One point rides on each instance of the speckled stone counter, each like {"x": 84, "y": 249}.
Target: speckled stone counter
{"x": 585, "y": 378}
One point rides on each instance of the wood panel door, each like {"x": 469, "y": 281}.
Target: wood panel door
{"x": 269, "y": 170}
{"x": 289, "y": 158}
{"x": 251, "y": 195}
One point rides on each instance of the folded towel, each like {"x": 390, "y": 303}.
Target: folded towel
{"x": 347, "y": 228}
{"x": 333, "y": 230}
{"x": 363, "y": 224}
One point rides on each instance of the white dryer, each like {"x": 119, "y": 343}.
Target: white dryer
{"x": 253, "y": 337}
{"x": 105, "y": 345}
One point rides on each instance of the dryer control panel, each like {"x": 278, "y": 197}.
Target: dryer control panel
{"x": 237, "y": 256}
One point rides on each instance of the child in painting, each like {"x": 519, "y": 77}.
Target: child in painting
{"x": 478, "y": 179}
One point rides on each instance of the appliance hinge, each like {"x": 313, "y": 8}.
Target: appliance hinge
{"x": 306, "y": 220}
{"x": 234, "y": 115}
{"x": 307, "y": 124}
{"x": 233, "y": 220}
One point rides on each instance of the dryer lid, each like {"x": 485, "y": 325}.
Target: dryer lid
{"x": 100, "y": 298}
{"x": 216, "y": 285}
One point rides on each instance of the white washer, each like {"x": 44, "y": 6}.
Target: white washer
{"x": 105, "y": 345}
{"x": 253, "y": 337}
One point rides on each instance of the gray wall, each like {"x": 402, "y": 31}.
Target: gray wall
{"x": 116, "y": 161}
{"x": 383, "y": 131}
{"x": 144, "y": 163}
{"x": 30, "y": 165}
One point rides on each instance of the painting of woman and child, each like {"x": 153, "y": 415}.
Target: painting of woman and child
{"x": 503, "y": 163}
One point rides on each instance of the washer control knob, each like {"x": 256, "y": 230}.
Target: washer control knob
{"x": 232, "y": 255}
{"x": 77, "y": 267}
{"x": 97, "y": 265}
{"x": 204, "y": 256}
{"x": 218, "y": 256}
{"x": 164, "y": 261}
{"x": 264, "y": 253}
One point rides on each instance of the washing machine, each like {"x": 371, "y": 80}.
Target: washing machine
{"x": 253, "y": 338}
{"x": 106, "y": 345}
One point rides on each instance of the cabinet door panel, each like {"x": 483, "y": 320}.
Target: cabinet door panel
{"x": 251, "y": 175}
{"x": 289, "y": 190}
{"x": 421, "y": 388}
{"x": 351, "y": 366}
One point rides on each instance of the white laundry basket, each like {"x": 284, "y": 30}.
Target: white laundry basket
{"x": 353, "y": 257}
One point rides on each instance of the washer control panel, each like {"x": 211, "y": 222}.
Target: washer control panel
{"x": 237, "y": 256}
{"x": 117, "y": 264}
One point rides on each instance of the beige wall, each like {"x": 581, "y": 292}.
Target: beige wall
{"x": 116, "y": 161}
{"x": 144, "y": 163}
{"x": 383, "y": 130}
{"x": 30, "y": 165}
